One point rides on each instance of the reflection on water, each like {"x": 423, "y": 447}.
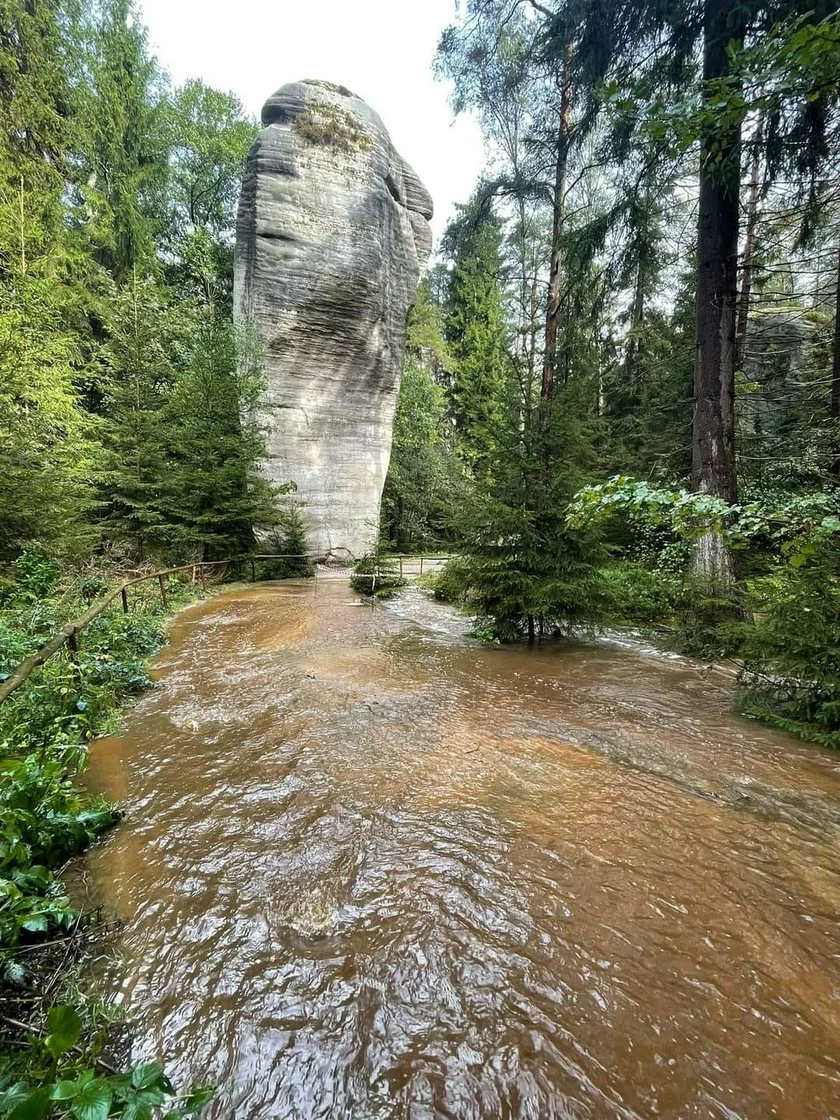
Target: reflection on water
{"x": 373, "y": 869}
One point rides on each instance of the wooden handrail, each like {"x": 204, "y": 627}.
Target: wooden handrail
{"x": 69, "y": 631}
{"x": 67, "y": 634}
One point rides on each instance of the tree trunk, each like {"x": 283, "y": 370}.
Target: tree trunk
{"x": 559, "y": 214}
{"x": 637, "y": 315}
{"x": 749, "y": 254}
{"x": 835, "y": 376}
{"x": 713, "y": 443}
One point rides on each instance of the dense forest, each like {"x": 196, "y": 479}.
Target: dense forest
{"x": 623, "y": 391}
{"x": 125, "y": 393}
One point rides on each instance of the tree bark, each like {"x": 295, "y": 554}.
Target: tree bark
{"x": 637, "y": 315}
{"x": 835, "y": 366}
{"x": 559, "y": 214}
{"x": 749, "y": 254}
{"x": 834, "y": 407}
{"x": 713, "y": 443}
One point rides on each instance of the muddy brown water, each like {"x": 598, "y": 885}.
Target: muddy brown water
{"x": 371, "y": 868}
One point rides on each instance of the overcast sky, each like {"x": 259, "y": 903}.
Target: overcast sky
{"x": 381, "y": 49}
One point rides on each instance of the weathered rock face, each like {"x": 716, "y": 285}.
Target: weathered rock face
{"x": 331, "y": 235}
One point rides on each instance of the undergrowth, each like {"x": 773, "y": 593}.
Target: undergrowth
{"x": 52, "y": 1065}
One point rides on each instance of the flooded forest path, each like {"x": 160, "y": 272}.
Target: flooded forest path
{"x": 372, "y": 868}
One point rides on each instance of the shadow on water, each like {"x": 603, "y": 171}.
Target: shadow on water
{"x": 372, "y": 868}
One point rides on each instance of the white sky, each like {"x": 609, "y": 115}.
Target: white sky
{"x": 380, "y": 49}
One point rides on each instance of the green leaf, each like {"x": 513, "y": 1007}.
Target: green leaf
{"x": 34, "y": 1107}
{"x": 64, "y": 1090}
{"x": 93, "y": 1101}
{"x": 146, "y": 1075}
{"x": 36, "y": 923}
{"x": 198, "y": 1098}
{"x": 65, "y": 1028}
{"x": 141, "y": 1105}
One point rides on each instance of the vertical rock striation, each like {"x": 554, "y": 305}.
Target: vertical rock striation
{"x": 331, "y": 234}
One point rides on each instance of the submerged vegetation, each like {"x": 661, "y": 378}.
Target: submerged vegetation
{"x": 377, "y": 576}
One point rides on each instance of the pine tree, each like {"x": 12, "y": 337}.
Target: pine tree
{"x": 213, "y": 495}
{"x": 122, "y": 170}
{"x": 474, "y": 330}
{"x": 138, "y": 372}
{"x": 426, "y": 478}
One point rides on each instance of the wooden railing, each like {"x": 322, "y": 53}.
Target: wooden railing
{"x": 68, "y": 635}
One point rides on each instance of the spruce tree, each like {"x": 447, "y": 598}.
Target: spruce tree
{"x": 213, "y": 495}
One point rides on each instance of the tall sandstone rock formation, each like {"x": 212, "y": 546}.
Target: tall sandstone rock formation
{"x": 331, "y": 236}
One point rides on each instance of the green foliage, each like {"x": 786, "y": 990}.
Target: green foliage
{"x": 288, "y": 539}
{"x": 641, "y": 595}
{"x": 122, "y": 163}
{"x": 63, "y": 1082}
{"x": 791, "y": 647}
{"x": 377, "y": 575}
{"x": 44, "y": 727}
{"x": 450, "y": 584}
{"x": 213, "y": 496}
{"x": 116, "y": 219}
{"x": 475, "y": 333}
{"x": 426, "y": 477}
{"x": 209, "y": 140}
{"x": 46, "y": 444}
{"x": 43, "y": 821}
{"x": 523, "y": 574}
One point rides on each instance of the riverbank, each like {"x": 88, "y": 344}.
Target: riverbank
{"x": 52, "y": 1030}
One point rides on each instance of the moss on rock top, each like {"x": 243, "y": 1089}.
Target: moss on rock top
{"x": 331, "y": 126}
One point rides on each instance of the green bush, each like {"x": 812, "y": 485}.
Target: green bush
{"x": 288, "y": 539}
{"x": 642, "y": 595}
{"x": 377, "y": 575}
{"x": 791, "y": 649}
{"x": 43, "y": 821}
{"x": 62, "y": 1080}
{"x": 449, "y": 585}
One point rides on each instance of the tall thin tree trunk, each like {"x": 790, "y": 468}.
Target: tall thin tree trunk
{"x": 835, "y": 376}
{"x": 559, "y": 215}
{"x": 748, "y": 264}
{"x": 713, "y": 443}
{"x": 637, "y": 314}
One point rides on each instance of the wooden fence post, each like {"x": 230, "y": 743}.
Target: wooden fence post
{"x": 253, "y": 569}
{"x": 73, "y": 647}
{"x": 202, "y": 577}
{"x": 162, "y": 582}
{"x": 124, "y": 597}
{"x": 421, "y": 565}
